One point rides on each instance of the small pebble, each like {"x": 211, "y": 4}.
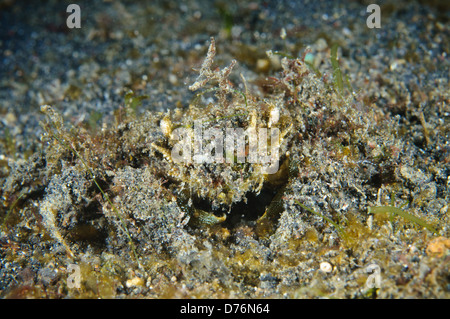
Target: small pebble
{"x": 326, "y": 267}
{"x": 134, "y": 282}
{"x": 438, "y": 246}
{"x": 262, "y": 65}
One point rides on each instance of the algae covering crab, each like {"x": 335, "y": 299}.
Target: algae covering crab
{"x": 245, "y": 152}
{"x": 226, "y": 157}
{"x": 220, "y": 152}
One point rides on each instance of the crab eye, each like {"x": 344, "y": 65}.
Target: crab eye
{"x": 274, "y": 116}
{"x": 166, "y": 126}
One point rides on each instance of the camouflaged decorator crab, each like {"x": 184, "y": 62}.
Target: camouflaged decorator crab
{"x": 220, "y": 153}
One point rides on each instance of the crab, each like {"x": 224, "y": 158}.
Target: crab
{"x": 216, "y": 154}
